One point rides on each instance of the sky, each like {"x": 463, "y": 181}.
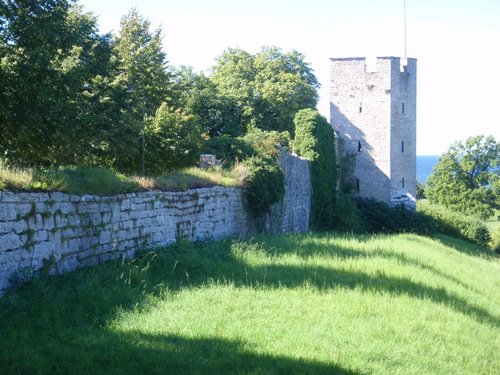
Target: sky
{"x": 456, "y": 43}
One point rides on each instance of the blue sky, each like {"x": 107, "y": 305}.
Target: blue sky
{"x": 456, "y": 42}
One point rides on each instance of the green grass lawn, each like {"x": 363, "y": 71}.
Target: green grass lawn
{"x": 287, "y": 304}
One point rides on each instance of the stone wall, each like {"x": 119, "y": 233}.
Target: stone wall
{"x": 293, "y": 213}
{"x": 61, "y": 233}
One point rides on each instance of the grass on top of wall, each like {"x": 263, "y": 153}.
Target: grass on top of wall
{"x": 102, "y": 181}
{"x": 287, "y": 304}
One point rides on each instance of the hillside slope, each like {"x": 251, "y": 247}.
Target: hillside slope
{"x": 317, "y": 303}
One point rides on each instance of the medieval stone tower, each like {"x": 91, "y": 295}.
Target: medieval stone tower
{"x": 373, "y": 111}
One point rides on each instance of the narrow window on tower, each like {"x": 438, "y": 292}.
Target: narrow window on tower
{"x": 360, "y": 107}
{"x": 402, "y": 146}
{"x": 402, "y": 107}
{"x": 359, "y": 146}
{"x": 357, "y": 185}
{"x": 403, "y": 183}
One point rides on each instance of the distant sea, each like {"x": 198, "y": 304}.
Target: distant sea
{"x": 425, "y": 166}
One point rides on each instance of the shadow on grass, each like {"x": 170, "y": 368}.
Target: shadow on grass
{"x": 279, "y": 276}
{"x": 308, "y": 248}
{"x": 466, "y": 248}
{"x": 325, "y": 278}
{"x": 59, "y": 323}
{"x": 135, "y": 352}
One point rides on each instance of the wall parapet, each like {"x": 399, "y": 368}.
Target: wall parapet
{"x": 61, "y": 233}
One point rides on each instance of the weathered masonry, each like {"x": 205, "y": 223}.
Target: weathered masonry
{"x": 61, "y": 232}
{"x": 373, "y": 110}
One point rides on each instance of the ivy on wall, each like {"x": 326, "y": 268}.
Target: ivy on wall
{"x": 264, "y": 185}
{"x": 315, "y": 140}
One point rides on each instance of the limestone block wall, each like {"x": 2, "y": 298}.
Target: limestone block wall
{"x": 294, "y": 212}
{"x": 65, "y": 232}
{"x": 61, "y": 233}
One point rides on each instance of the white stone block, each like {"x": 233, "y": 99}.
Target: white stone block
{"x": 43, "y": 250}
{"x": 13, "y": 226}
{"x": 67, "y": 208}
{"x": 40, "y": 235}
{"x": 35, "y": 222}
{"x": 60, "y": 221}
{"x": 9, "y": 241}
{"x": 48, "y": 222}
{"x": 105, "y": 237}
{"x": 9, "y": 211}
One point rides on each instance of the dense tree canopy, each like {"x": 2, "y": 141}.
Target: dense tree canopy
{"x": 467, "y": 177}
{"x": 65, "y": 100}
{"x": 174, "y": 140}
{"x": 265, "y": 90}
{"x": 62, "y": 96}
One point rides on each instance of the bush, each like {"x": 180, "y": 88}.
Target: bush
{"x": 263, "y": 186}
{"x": 455, "y": 224}
{"x": 421, "y": 190}
{"x": 174, "y": 141}
{"x": 228, "y": 149}
{"x": 346, "y": 218}
{"x": 266, "y": 143}
{"x": 495, "y": 240}
{"x": 379, "y": 217}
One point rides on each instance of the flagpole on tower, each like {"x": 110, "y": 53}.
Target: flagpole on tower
{"x": 404, "y": 4}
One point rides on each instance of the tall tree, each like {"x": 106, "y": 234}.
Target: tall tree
{"x": 265, "y": 90}
{"x": 285, "y": 84}
{"x": 33, "y": 41}
{"x": 232, "y": 80}
{"x": 62, "y": 96}
{"x": 466, "y": 177}
{"x": 142, "y": 59}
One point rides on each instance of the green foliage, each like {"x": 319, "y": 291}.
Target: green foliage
{"x": 23, "y": 179}
{"x": 378, "y": 217}
{"x": 217, "y": 114}
{"x": 141, "y": 57}
{"x": 100, "y": 181}
{"x": 264, "y": 90}
{"x": 284, "y": 84}
{"x": 315, "y": 140}
{"x": 466, "y": 177}
{"x": 266, "y": 143}
{"x": 229, "y": 149}
{"x": 346, "y": 216}
{"x": 495, "y": 240}
{"x": 263, "y": 186}
{"x": 421, "y": 190}
{"x": 255, "y": 142}
{"x": 174, "y": 141}
{"x": 455, "y": 224}
{"x": 63, "y": 99}
{"x": 347, "y": 165}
